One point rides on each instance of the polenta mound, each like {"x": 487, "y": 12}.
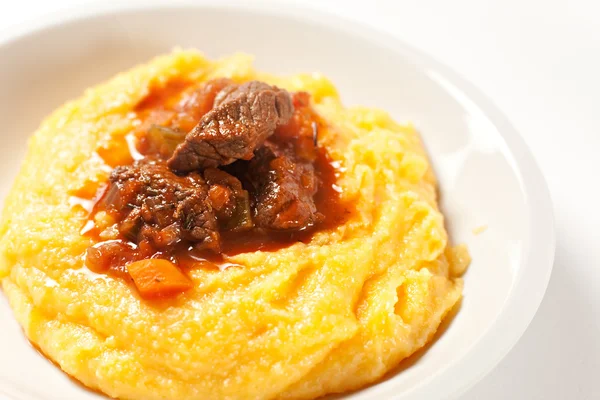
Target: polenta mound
{"x": 327, "y": 316}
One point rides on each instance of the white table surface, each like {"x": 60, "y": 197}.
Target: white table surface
{"x": 539, "y": 61}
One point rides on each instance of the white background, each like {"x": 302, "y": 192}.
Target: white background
{"x": 539, "y": 61}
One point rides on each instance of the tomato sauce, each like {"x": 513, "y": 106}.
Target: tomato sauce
{"x": 179, "y": 105}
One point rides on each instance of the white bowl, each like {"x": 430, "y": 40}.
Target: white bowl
{"x": 487, "y": 175}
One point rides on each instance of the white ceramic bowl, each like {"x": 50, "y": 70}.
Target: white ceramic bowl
{"x": 486, "y": 173}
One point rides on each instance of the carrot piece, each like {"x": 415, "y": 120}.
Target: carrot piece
{"x": 156, "y": 277}
{"x": 116, "y": 152}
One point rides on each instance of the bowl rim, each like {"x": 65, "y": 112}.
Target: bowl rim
{"x": 537, "y": 259}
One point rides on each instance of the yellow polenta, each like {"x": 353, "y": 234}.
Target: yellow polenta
{"x": 329, "y": 316}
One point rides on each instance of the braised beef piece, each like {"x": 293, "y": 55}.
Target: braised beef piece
{"x": 242, "y": 118}
{"x": 153, "y": 204}
{"x": 282, "y": 189}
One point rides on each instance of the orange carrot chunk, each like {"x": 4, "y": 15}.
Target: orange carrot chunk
{"x": 156, "y": 277}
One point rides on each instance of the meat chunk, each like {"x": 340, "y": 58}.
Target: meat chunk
{"x": 155, "y": 205}
{"x": 282, "y": 189}
{"x": 243, "y": 117}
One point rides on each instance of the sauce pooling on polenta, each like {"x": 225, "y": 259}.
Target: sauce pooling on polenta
{"x": 212, "y": 170}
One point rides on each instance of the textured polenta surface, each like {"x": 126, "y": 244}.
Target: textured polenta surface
{"x": 329, "y": 316}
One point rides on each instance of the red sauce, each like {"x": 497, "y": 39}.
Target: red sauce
{"x": 179, "y": 105}
{"x": 162, "y": 97}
